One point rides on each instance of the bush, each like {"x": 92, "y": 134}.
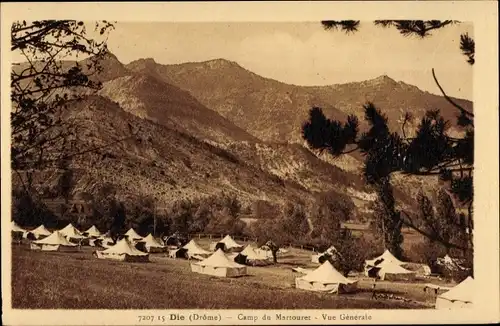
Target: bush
{"x": 28, "y": 211}
{"x": 425, "y": 253}
{"x": 353, "y": 253}
{"x": 428, "y": 253}
{"x": 265, "y": 209}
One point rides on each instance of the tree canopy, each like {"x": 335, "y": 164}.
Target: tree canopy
{"x": 45, "y": 84}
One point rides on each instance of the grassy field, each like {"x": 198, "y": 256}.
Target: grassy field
{"x": 44, "y": 280}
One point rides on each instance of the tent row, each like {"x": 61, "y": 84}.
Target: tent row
{"x": 69, "y": 237}
{"x": 149, "y": 243}
{"x": 250, "y": 255}
{"x": 69, "y": 232}
{"x": 325, "y": 278}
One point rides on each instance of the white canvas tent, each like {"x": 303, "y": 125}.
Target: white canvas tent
{"x": 229, "y": 244}
{"x": 39, "y": 233}
{"x": 123, "y": 250}
{"x": 325, "y": 279}
{"x": 460, "y": 296}
{"x": 71, "y": 232}
{"x": 93, "y": 232}
{"x": 418, "y": 268}
{"x": 54, "y": 242}
{"x": 269, "y": 254}
{"x": 194, "y": 250}
{"x": 302, "y": 270}
{"x": 17, "y": 232}
{"x": 151, "y": 244}
{"x": 436, "y": 288}
{"x": 388, "y": 267}
{"x": 16, "y": 228}
{"x": 391, "y": 271}
{"x": 329, "y": 251}
{"x": 132, "y": 235}
{"x": 106, "y": 241}
{"x": 255, "y": 256}
{"x": 385, "y": 257}
{"x": 219, "y": 265}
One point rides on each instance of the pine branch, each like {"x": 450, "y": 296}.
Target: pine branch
{"x": 348, "y": 26}
{"x": 412, "y": 225}
{"x": 468, "y": 47}
{"x": 420, "y": 28}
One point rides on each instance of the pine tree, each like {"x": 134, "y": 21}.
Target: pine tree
{"x": 432, "y": 152}
{"x": 387, "y": 219}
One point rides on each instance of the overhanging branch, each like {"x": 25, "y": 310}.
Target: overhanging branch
{"x": 449, "y": 99}
{"x": 447, "y": 244}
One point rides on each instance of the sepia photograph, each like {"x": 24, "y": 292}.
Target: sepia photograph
{"x": 241, "y": 165}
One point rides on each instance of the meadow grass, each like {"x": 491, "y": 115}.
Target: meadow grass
{"x": 53, "y": 280}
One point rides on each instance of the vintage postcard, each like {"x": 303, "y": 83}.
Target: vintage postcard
{"x": 223, "y": 163}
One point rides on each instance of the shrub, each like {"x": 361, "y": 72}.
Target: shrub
{"x": 353, "y": 251}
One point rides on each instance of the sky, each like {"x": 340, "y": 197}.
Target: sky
{"x": 304, "y": 53}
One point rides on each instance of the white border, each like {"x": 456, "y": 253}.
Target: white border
{"x": 481, "y": 13}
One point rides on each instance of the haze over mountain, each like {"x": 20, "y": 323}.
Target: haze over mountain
{"x": 214, "y": 126}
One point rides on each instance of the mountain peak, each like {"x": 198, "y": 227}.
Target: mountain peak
{"x": 111, "y": 66}
{"x": 110, "y": 57}
{"x": 384, "y": 79}
{"x": 143, "y": 62}
{"x": 146, "y": 61}
{"x": 220, "y": 63}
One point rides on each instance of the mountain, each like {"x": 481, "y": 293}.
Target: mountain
{"x": 149, "y": 98}
{"x": 269, "y": 110}
{"x": 214, "y": 126}
{"x": 274, "y": 111}
{"x": 392, "y": 97}
{"x": 110, "y": 67}
{"x": 171, "y": 165}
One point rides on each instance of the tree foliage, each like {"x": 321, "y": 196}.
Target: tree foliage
{"x": 387, "y": 219}
{"x": 445, "y": 224}
{"x": 329, "y": 211}
{"x": 420, "y": 28}
{"x": 265, "y": 209}
{"x": 141, "y": 214}
{"x": 289, "y": 228}
{"x": 351, "y": 253}
{"x": 347, "y": 26}
{"x": 109, "y": 212}
{"x": 213, "y": 214}
{"x": 30, "y": 212}
{"x": 44, "y": 85}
